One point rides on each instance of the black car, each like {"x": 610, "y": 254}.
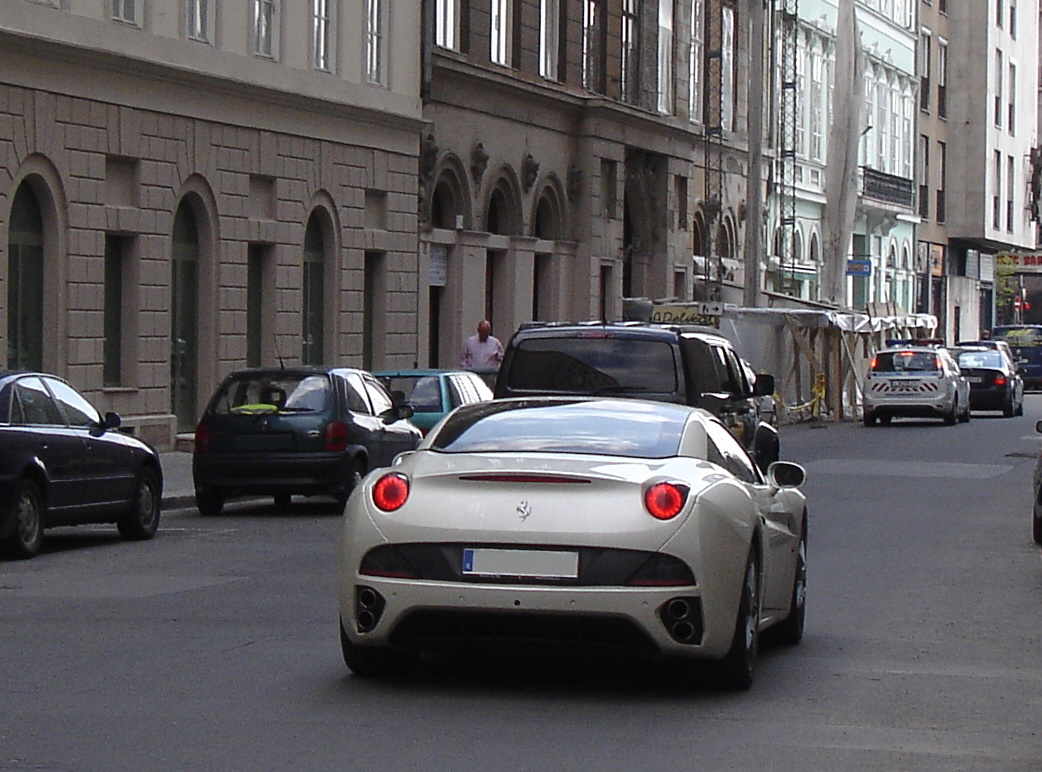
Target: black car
{"x": 298, "y": 430}
{"x": 63, "y": 463}
{"x": 994, "y": 382}
{"x": 688, "y": 364}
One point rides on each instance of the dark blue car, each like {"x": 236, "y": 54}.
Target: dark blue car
{"x": 63, "y": 463}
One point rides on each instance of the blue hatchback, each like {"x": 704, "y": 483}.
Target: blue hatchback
{"x": 433, "y": 393}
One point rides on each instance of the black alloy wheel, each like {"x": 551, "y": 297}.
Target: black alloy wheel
{"x": 28, "y": 513}
{"x": 142, "y": 519}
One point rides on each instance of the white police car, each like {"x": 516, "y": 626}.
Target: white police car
{"x": 916, "y": 379}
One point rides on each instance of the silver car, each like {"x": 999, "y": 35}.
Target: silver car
{"x": 637, "y": 527}
{"x": 916, "y": 380}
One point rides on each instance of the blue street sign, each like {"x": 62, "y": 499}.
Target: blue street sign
{"x": 859, "y": 267}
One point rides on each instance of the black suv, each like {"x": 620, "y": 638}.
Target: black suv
{"x": 676, "y": 363}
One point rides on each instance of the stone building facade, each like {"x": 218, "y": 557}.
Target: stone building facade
{"x": 188, "y": 187}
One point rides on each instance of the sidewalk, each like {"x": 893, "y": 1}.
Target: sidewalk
{"x": 178, "y": 490}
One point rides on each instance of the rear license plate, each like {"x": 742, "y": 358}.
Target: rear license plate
{"x": 975, "y": 379}
{"x": 904, "y": 386}
{"x": 534, "y": 564}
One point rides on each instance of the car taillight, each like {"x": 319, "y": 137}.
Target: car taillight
{"x": 202, "y": 438}
{"x": 664, "y": 500}
{"x": 335, "y": 438}
{"x": 875, "y": 363}
{"x": 1000, "y": 380}
{"x": 391, "y": 492}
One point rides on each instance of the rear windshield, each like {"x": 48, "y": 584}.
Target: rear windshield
{"x": 1026, "y": 336}
{"x": 273, "y": 392}
{"x": 981, "y": 359}
{"x": 592, "y": 365}
{"x": 645, "y": 430}
{"x": 905, "y": 361}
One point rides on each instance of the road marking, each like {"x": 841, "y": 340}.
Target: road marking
{"x": 907, "y": 469}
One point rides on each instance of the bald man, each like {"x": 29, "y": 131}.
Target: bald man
{"x": 481, "y": 350}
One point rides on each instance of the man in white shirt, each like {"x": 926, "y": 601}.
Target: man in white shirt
{"x": 481, "y": 350}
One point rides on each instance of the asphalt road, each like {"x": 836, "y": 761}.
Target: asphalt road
{"x": 214, "y": 647}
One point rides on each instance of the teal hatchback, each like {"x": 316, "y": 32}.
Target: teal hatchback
{"x": 433, "y": 393}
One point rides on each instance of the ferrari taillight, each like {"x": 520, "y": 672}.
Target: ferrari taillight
{"x": 391, "y": 492}
{"x": 335, "y": 438}
{"x": 664, "y": 500}
{"x": 202, "y": 438}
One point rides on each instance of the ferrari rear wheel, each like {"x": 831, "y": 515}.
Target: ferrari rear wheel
{"x": 790, "y": 630}
{"x": 738, "y": 666}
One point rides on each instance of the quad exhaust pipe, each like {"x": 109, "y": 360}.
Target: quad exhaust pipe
{"x": 682, "y": 618}
{"x": 369, "y": 607}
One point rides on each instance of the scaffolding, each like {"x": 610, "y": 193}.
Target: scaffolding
{"x": 787, "y": 15}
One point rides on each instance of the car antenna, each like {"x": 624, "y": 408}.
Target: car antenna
{"x": 278, "y": 351}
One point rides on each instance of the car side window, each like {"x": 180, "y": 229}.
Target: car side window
{"x": 734, "y": 458}
{"x": 378, "y": 395}
{"x": 357, "y": 401}
{"x": 736, "y": 374}
{"x": 35, "y": 405}
{"x": 77, "y": 409}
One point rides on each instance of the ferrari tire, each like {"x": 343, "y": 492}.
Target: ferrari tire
{"x": 142, "y": 518}
{"x": 739, "y": 664}
{"x": 28, "y": 514}
{"x": 790, "y": 630}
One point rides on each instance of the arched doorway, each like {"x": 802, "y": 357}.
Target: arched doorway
{"x": 184, "y": 328}
{"x": 314, "y": 285}
{"x": 25, "y": 249}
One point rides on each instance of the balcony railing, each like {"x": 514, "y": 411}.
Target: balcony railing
{"x": 887, "y": 188}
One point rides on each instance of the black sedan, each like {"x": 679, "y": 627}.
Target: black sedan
{"x": 994, "y": 382}
{"x": 63, "y": 463}
{"x": 296, "y": 431}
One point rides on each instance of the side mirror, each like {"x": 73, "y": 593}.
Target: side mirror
{"x": 764, "y": 386}
{"x": 786, "y": 474}
{"x": 111, "y": 421}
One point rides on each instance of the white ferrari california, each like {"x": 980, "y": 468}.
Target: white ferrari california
{"x": 634, "y": 526}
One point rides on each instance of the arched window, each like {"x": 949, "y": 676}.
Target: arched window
{"x": 25, "y": 282}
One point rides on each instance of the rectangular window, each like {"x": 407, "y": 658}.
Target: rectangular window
{"x": 924, "y": 176}
{"x": 1013, "y": 19}
{"x": 499, "y": 33}
{"x": 321, "y": 32}
{"x": 999, "y": 73}
{"x": 595, "y": 31}
{"x": 264, "y": 27}
{"x": 549, "y": 37}
{"x": 446, "y": 24}
{"x": 115, "y": 267}
{"x": 375, "y": 41}
{"x": 907, "y": 134}
{"x": 198, "y": 20}
{"x": 942, "y": 180}
{"x": 630, "y": 50}
{"x": 1000, "y": 12}
{"x": 1011, "y": 117}
{"x": 728, "y": 62}
{"x": 925, "y": 53}
{"x": 128, "y": 11}
{"x": 996, "y": 187}
{"x": 942, "y": 78}
{"x": 665, "y": 56}
{"x": 817, "y": 106}
{"x": 255, "y": 298}
{"x": 694, "y": 63}
{"x": 1011, "y": 192}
